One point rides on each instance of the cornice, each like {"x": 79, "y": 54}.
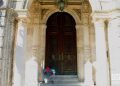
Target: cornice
{"x": 22, "y": 12}
{"x": 54, "y": 3}
{"x": 111, "y": 14}
{"x": 108, "y": 11}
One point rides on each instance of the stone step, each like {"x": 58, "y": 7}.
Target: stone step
{"x": 80, "y": 84}
{"x": 66, "y": 76}
{"x": 64, "y": 80}
{"x": 61, "y": 85}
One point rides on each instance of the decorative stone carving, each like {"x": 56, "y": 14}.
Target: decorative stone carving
{"x": 78, "y": 11}
{"x": 85, "y": 7}
{"x": 43, "y": 11}
{"x": 85, "y": 18}
{"x": 12, "y": 15}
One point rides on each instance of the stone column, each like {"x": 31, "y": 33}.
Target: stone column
{"x": 36, "y": 59}
{"x": 86, "y": 41}
{"x": 36, "y": 47}
{"x": 88, "y": 74}
{"x": 92, "y": 43}
{"x": 92, "y": 51}
{"x": 39, "y": 37}
{"x": 29, "y": 40}
{"x": 30, "y": 60}
{"x": 35, "y": 40}
{"x": 86, "y": 34}
{"x": 102, "y": 73}
{"x": 114, "y": 49}
{"x": 80, "y": 57}
{"x": 41, "y": 58}
{"x": 8, "y": 48}
{"x": 19, "y": 54}
{"x": 86, "y": 45}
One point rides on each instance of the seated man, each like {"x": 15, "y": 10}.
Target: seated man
{"x": 48, "y": 74}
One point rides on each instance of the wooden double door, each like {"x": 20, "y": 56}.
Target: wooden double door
{"x": 61, "y": 52}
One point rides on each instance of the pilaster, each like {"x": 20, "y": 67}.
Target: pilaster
{"x": 80, "y": 55}
{"x": 86, "y": 34}
{"x": 19, "y": 53}
{"x": 114, "y": 48}
{"x": 42, "y": 40}
{"x": 102, "y": 72}
{"x": 31, "y": 64}
{"x": 93, "y": 51}
{"x": 87, "y": 49}
{"x": 36, "y": 57}
{"x": 92, "y": 43}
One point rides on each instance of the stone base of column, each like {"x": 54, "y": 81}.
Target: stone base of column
{"x": 80, "y": 78}
{"x": 89, "y": 83}
{"x": 88, "y": 74}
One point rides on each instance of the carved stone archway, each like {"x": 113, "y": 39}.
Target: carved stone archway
{"x": 39, "y": 17}
{"x": 72, "y": 12}
{"x": 79, "y": 33}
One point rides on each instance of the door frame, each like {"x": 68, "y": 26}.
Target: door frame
{"x": 79, "y": 36}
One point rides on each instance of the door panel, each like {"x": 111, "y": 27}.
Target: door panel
{"x": 69, "y": 53}
{"x": 61, "y": 44}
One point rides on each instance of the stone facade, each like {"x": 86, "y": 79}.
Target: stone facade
{"x": 22, "y": 40}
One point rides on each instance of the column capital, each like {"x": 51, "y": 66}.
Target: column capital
{"x": 99, "y": 23}
{"x": 77, "y": 26}
{"x": 98, "y": 20}
{"x": 22, "y": 13}
{"x": 43, "y": 26}
{"x": 22, "y": 21}
{"x": 100, "y": 15}
{"x": 85, "y": 15}
{"x": 12, "y": 14}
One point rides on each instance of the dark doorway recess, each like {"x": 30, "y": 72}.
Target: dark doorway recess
{"x": 61, "y": 51}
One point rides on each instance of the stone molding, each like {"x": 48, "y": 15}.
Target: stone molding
{"x": 107, "y": 15}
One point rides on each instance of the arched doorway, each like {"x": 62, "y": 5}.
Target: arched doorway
{"x": 61, "y": 50}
